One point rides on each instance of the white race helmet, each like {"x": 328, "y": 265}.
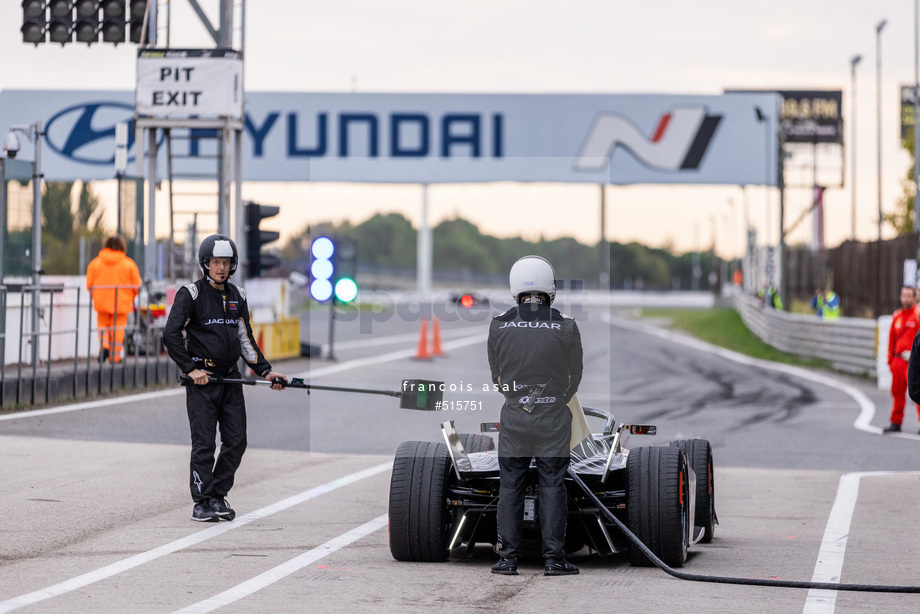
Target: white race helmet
{"x": 532, "y": 275}
{"x": 217, "y": 246}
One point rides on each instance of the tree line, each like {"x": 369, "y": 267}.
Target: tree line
{"x": 62, "y": 228}
{"x": 385, "y": 240}
{"x": 389, "y": 240}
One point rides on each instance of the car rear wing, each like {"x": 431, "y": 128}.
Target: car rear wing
{"x": 459, "y": 459}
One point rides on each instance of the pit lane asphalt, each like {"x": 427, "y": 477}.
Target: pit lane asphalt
{"x": 96, "y": 487}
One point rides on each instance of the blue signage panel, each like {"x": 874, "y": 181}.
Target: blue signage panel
{"x": 441, "y": 138}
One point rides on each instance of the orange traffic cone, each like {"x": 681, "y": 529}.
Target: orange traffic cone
{"x": 436, "y": 338}
{"x": 422, "y": 353}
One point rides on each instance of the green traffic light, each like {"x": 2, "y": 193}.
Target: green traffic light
{"x": 346, "y": 290}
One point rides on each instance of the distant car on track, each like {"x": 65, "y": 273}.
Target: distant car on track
{"x": 469, "y": 300}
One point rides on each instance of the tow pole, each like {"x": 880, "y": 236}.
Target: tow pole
{"x": 424, "y": 395}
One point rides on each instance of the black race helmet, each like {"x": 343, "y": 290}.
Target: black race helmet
{"x": 217, "y": 246}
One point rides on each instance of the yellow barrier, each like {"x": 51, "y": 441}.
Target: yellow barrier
{"x": 278, "y": 339}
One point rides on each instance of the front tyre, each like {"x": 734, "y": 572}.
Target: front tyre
{"x": 419, "y": 524}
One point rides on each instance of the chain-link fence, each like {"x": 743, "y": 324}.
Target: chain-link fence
{"x": 867, "y": 276}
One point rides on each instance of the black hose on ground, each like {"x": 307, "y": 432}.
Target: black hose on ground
{"x": 830, "y": 586}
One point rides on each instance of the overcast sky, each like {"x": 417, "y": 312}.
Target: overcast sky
{"x": 534, "y": 46}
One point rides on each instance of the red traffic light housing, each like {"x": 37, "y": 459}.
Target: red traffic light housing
{"x": 60, "y": 24}
{"x": 113, "y": 21}
{"x": 86, "y": 28}
{"x": 63, "y": 21}
{"x": 33, "y": 21}
{"x": 137, "y": 11}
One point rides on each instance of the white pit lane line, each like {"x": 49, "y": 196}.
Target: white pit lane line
{"x": 285, "y": 569}
{"x": 829, "y": 565}
{"x": 145, "y": 557}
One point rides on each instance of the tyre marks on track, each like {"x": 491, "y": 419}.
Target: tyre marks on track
{"x": 866, "y": 406}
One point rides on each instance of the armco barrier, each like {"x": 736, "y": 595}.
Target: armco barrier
{"x": 849, "y": 344}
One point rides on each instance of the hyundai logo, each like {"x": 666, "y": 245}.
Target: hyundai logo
{"x": 679, "y": 142}
{"x": 85, "y": 133}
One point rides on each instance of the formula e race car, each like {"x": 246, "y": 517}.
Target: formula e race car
{"x": 444, "y": 495}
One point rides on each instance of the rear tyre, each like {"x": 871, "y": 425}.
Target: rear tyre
{"x": 419, "y": 523}
{"x": 476, "y": 442}
{"x": 657, "y": 504}
{"x": 699, "y": 453}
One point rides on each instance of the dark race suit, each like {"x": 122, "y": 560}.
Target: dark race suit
{"x": 536, "y": 353}
{"x": 217, "y": 335}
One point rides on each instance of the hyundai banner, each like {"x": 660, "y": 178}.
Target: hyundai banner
{"x": 439, "y": 138}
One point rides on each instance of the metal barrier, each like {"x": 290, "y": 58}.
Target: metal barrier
{"x": 61, "y": 370}
{"x": 849, "y": 344}
{"x": 34, "y": 341}
{"x": 145, "y": 336}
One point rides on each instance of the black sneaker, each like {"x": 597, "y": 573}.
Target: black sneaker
{"x": 204, "y": 512}
{"x": 103, "y": 354}
{"x": 892, "y": 428}
{"x": 224, "y": 511}
{"x": 505, "y": 567}
{"x": 559, "y": 567}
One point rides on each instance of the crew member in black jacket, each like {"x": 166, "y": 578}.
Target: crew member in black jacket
{"x": 535, "y": 355}
{"x": 214, "y": 316}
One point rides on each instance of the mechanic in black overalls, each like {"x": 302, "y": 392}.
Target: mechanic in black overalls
{"x": 214, "y": 317}
{"x": 535, "y": 355}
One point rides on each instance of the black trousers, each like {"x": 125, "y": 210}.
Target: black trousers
{"x": 210, "y": 407}
{"x": 553, "y": 510}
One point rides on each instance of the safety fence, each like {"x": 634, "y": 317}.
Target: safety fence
{"x": 52, "y": 341}
{"x": 849, "y": 344}
{"x": 52, "y": 352}
{"x": 867, "y": 276}
{"x": 58, "y": 350}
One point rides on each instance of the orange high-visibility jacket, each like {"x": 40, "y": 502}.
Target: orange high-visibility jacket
{"x": 113, "y": 268}
{"x": 904, "y": 326}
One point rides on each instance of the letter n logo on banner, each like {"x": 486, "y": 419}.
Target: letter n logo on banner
{"x": 678, "y": 143}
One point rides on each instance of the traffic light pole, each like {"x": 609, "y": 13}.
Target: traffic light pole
{"x": 332, "y": 329}
{"x": 35, "y": 134}
{"x": 424, "y": 248}
{"x": 239, "y": 229}
{"x": 333, "y": 271}
{"x": 150, "y": 245}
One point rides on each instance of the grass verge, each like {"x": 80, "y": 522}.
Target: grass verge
{"x": 724, "y": 328}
